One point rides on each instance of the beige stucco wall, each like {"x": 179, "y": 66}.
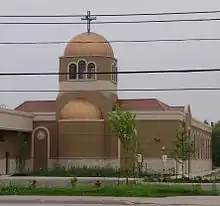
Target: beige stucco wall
{"x": 15, "y": 120}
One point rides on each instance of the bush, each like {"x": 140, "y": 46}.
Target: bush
{"x": 84, "y": 171}
{"x": 60, "y": 171}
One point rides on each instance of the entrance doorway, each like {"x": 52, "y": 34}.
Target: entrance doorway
{"x": 40, "y": 148}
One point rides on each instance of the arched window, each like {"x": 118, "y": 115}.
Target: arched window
{"x": 81, "y": 69}
{"x": 91, "y": 69}
{"x": 72, "y": 71}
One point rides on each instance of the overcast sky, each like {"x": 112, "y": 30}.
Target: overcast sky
{"x": 140, "y": 56}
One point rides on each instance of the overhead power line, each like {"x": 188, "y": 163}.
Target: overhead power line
{"x": 111, "y": 41}
{"x": 118, "y": 90}
{"x": 113, "y": 22}
{"x": 112, "y": 15}
{"x": 167, "y": 71}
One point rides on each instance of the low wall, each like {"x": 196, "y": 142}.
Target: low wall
{"x": 11, "y": 166}
{"x": 196, "y": 166}
{"x": 201, "y": 165}
{"x": 76, "y": 162}
{"x": 89, "y": 162}
{"x": 154, "y": 164}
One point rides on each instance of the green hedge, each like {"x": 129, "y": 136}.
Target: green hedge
{"x": 85, "y": 171}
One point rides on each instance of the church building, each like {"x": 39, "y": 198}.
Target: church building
{"x": 74, "y": 128}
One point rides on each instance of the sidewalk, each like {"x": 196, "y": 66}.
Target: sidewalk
{"x": 204, "y": 201}
{"x": 199, "y": 174}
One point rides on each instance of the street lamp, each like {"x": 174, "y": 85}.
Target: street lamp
{"x": 164, "y": 159}
{"x": 163, "y": 148}
{"x": 140, "y": 162}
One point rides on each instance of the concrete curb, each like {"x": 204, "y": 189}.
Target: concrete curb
{"x": 84, "y": 202}
{"x": 190, "y": 200}
{"x": 63, "y": 200}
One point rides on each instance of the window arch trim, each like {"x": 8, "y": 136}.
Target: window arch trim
{"x": 79, "y": 60}
{"x": 89, "y": 62}
{"x": 68, "y": 71}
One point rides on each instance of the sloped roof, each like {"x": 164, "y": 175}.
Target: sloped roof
{"x": 130, "y": 104}
{"x": 144, "y": 104}
{"x": 37, "y": 106}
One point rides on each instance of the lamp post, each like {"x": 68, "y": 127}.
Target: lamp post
{"x": 140, "y": 162}
{"x": 164, "y": 159}
{"x": 189, "y": 156}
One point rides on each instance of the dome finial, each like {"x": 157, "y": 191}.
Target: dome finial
{"x": 88, "y": 19}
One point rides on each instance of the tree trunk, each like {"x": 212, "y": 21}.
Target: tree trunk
{"x": 182, "y": 164}
{"x": 126, "y": 165}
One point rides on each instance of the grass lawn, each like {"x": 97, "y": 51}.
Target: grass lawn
{"x": 122, "y": 191}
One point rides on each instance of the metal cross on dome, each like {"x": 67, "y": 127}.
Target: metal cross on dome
{"x": 88, "y": 19}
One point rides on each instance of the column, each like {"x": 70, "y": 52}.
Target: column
{"x": 210, "y": 149}
{"x": 198, "y": 146}
{"x": 207, "y": 147}
{"x": 201, "y": 147}
{"x": 194, "y": 144}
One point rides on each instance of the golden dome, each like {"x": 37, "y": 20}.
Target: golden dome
{"x": 79, "y": 109}
{"x": 88, "y": 49}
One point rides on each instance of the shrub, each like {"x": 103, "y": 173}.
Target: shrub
{"x": 84, "y": 171}
{"x": 73, "y": 181}
{"x": 60, "y": 171}
{"x": 97, "y": 183}
{"x": 32, "y": 183}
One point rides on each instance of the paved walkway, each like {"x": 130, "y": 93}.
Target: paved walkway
{"x": 200, "y": 174}
{"x": 200, "y": 201}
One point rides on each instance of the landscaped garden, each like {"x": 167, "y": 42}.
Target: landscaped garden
{"x": 85, "y": 171}
{"x": 99, "y": 190}
{"x": 148, "y": 176}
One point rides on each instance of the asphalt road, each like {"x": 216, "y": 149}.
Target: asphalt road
{"x": 8, "y": 204}
{"x": 5, "y": 204}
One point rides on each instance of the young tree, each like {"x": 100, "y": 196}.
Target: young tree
{"x": 124, "y": 126}
{"x": 183, "y": 146}
{"x": 21, "y": 153}
{"x": 216, "y": 144}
